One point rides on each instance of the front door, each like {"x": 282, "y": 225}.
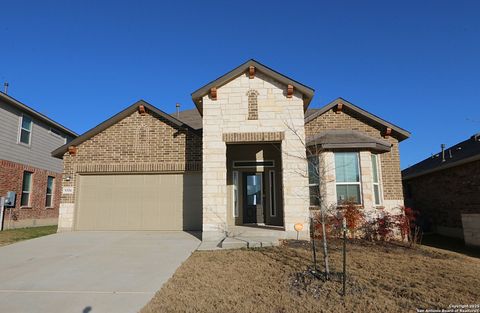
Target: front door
{"x": 252, "y": 198}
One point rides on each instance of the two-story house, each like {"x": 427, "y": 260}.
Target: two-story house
{"x": 27, "y": 168}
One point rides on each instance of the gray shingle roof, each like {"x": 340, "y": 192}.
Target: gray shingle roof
{"x": 463, "y": 152}
{"x": 25, "y": 108}
{"x": 347, "y": 139}
{"x": 397, "y": 132}
{"x": 194, "y": 119}
{"x": 190, "y": 117}
{"x": 310, "y": 111}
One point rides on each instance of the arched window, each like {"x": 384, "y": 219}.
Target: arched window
{"x": 252, "y": 104}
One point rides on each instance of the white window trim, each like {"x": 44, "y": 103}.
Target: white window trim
{"x": 51, "y": 194}
{"x": 359, "y": 183}
{"x": 235, "y": 195}
{"x": 29, "y": 192}
{"x": 272, "y": 194}
{"x": 313, "y": 185}
{"x": 378, "y": 183}
{"x": 262, "y": 202}
{"x": 20, "y": 131}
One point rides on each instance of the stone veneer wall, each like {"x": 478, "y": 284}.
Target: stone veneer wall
{"x": 276, "y": 113}
{"x": 138, "y": 143}
{"x": 390, "y": 161}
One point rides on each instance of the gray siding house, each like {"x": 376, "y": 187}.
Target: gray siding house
{"x": 27, "y": 138}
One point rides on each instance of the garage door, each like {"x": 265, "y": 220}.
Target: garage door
{"x": 139, "y": 202}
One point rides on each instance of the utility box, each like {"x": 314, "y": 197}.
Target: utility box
{"x": 10, "y": 199}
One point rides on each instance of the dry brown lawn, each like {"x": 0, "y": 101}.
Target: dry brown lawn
{"x": 383, "y": 278}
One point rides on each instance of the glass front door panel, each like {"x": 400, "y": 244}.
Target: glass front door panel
{"x": 254, "y": 189}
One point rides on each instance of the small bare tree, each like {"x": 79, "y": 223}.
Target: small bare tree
{"x": 318, "y": 178}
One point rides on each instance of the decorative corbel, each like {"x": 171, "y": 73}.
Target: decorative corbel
{"x": 339, "y": 108}
{"x": 251, "y": 72}
{"x": 141, "y": 109}
{"x": 72, "y": 150}
{"x": 213, "y": 93}
{"x": 388, "y": 132}
{"x": 289, "y": 91}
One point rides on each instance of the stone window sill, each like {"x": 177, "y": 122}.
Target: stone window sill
{"x": 25, "y": 207}
{"x": 49, "y": 208}
{"x": 357, "y": 205}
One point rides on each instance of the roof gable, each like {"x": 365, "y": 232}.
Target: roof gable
{"x": 222, "y": 80}
{"x": 398, "y": 132}
{"x": 115, "y": 119}
{"x": 25, "y": 108}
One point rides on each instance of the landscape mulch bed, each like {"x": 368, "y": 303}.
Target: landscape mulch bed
{"x": 382, "y": 277}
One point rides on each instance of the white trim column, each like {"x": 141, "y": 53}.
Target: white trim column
{"x": 327, "y": 176}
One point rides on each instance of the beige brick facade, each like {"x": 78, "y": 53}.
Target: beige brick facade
{"x": 390, "y": 161}
{"x": 244, "y": 110}
{"x": 253, "y": 137}
{"x": 137, "y": 144}
{"x": 228, "y": 114}
{"x": 391, "y": 182}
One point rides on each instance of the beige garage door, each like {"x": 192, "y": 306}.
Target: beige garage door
{"x": 139, "y": 202}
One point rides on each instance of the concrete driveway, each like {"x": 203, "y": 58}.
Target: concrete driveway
{"x": 89, "y": 272}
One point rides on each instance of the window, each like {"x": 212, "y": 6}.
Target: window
{"x": 25, "y": 130}
{"x": 376, "y": 180}
{"x": 26, "y": 189}
{"x": 252, "y": 104}
{"x": 235, "y": 193}
{"x": 273, "y": 209}
{"x": 347, "y": 171}
{"x": 254, "y": 189}
{"x": 49, "y": 197}
{"x": 314, "y": 180}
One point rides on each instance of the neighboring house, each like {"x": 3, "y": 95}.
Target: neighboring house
{"x": 239, "y": 159}
{"x": 445, "y": 188}
{"x": 27, "y": 167}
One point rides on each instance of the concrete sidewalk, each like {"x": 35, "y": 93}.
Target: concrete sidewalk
{"x": 89, "y": 271}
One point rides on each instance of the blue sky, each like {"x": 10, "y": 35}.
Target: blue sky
{"x": 413, "y": 63}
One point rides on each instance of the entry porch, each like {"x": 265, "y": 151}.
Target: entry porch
{"x": 254, "y": 186}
